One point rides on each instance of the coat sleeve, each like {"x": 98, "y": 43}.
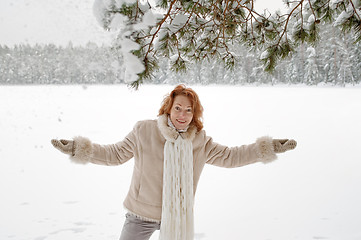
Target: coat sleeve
{"x": 112, "y": 154}
{"x": 230, "y": 157}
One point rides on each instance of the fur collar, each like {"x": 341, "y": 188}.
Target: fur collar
{"x": 171, "y": 134}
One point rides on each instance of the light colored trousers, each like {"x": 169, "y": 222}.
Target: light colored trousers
{"x": 137, "y": 229}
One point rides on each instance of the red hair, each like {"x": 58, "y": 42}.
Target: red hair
{"x": 193, "y": 97}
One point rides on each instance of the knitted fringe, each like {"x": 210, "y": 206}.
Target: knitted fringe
{"x": 141, "y": 217}
{"x": 177, "y": 207}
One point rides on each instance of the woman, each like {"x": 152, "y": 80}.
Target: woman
{"x": 169, "y": 155}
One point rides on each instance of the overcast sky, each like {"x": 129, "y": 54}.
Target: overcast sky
{"x": 59, "y": 21}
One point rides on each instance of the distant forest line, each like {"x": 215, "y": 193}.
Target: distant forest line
{"x": 335, "y": 60}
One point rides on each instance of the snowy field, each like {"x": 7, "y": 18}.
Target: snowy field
{"x": 313, "y": 192}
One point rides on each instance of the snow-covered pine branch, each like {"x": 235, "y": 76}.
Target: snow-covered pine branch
{"x": 192, "y": 30}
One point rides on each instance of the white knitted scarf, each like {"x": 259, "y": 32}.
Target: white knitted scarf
{"x": 177, "y": 207}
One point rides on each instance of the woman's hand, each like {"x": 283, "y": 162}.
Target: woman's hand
{"x": 65, "y": 146}
{"x": 283, "y": 145}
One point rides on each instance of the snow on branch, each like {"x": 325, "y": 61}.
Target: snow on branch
{"x": 187, "y": 31}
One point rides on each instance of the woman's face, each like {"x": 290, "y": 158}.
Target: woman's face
{"x": 181, "y": 113}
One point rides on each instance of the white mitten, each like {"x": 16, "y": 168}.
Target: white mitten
{"x": 65, "y": 146}
{"x": 283, "y": 145}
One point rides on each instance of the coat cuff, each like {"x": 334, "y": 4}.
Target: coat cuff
{"x": 265, "y": 149}
{"x": 83, "y": 150}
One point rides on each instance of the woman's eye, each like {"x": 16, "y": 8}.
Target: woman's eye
{"x": 189, "y": 110}
{"x": 177, "y": 108}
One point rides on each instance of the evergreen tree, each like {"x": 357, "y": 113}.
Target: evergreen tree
{"x": 345, "y": 72}
{"x": 188, "y": 31}
{"x": 312, "y": 75}
{"x": 336, "y": 60}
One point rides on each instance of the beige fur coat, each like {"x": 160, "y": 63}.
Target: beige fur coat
{"x": 145, "y": 143}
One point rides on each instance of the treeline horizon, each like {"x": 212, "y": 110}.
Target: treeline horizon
{"x": 335, "y": 60}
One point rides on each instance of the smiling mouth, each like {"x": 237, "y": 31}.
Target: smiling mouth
{"x": 181, "y": 122}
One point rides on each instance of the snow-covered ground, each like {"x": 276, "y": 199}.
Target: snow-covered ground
{"x": 313, "y": 192}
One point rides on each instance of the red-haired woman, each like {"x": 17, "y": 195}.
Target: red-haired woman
{"x": 169, "y": 155}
